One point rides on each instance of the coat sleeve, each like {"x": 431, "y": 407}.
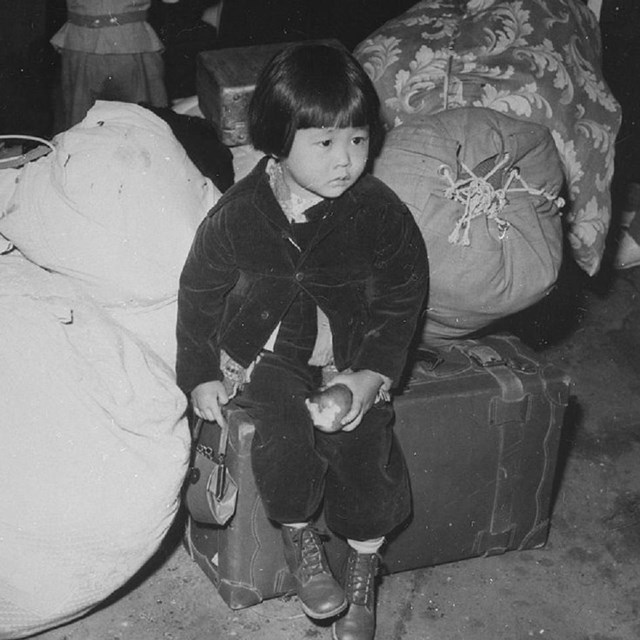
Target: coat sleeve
{"x": 209, "y": 273}
{"x": 396, "y": 293}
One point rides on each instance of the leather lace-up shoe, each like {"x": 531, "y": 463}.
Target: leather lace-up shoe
{"x": 320, "y": 595}
{"x": 359, "y": 622}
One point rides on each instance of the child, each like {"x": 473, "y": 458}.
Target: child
{"x": 308, "y": 230}
{"x": 109, "y": 52}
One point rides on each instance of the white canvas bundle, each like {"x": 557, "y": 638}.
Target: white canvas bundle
{"x": 94, "y": 444}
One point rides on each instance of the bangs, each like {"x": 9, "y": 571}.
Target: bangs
{"x": 329, "y": 91}
{"x": 331, "y": 108}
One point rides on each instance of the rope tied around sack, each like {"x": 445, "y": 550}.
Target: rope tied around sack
{"x": 481, "y": 198}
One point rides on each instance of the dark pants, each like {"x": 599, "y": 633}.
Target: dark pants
{"x": 360, "y": 475}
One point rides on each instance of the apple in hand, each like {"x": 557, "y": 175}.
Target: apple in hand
{"x": 328, "y": 406}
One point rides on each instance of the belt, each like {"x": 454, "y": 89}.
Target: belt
{"x": 109, "y": 20}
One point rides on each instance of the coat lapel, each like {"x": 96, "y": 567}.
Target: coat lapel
{"x": 333, "y": 212}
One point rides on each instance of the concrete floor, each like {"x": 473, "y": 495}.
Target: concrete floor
{"x": 583, "y": 585}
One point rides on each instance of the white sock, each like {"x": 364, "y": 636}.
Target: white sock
{"x": 296, "y": 525}
{"x": 366, "y": 546}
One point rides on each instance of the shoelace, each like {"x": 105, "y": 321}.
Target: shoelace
{"x": 360, "y": 576}
{"x": 311, "y": 551}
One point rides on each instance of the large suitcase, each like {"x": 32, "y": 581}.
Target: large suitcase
{"x": 225, "y": 80}
{"x": 479, "y": 423}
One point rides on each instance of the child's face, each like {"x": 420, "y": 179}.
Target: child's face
{"x": 327, "y": 161}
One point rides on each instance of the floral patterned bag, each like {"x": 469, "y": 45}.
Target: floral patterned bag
{"x": 534, "y": 60}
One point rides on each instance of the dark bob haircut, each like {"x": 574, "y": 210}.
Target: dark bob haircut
{"x": 311, "y": 86}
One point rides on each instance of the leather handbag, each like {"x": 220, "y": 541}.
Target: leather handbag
{"x": 211, "y": 493}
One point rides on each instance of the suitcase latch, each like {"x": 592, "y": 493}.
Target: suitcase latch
{"x": 486, "y": 356}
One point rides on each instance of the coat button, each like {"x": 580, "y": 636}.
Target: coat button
{"x": 299, "y": 276}
{"x": 265, "y": 315}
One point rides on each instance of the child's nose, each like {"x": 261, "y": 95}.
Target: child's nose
{"x": 343, "y": 157}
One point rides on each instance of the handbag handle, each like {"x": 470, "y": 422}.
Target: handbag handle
{"x": 224, "y": 433}
{"x": 221, "y": 476}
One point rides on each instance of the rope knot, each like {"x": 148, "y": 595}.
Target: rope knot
{"x": 481, "y": 198}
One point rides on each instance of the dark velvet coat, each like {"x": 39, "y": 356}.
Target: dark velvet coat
{"x": 366, "y": 268}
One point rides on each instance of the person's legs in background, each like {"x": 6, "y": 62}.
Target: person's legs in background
{"x": 87, "y": 77}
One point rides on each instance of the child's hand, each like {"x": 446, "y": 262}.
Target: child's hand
{"x": 364, "y": 386}
{"x": 207, "y": 398}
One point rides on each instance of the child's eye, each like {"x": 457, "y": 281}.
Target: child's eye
{"x": 325, "y": 143}
{"x": 360, "y": 140}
